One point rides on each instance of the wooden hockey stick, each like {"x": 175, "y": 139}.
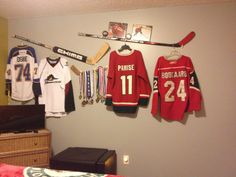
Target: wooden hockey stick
{"x": 68, "y": 53}
{"x": 181, "y": 43}
{"x": 101, "y": 52}
{"x": 75, "y": 70}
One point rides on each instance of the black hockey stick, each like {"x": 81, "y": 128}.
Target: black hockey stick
{"x": 68, "y": 53}
{"x": 181, "y": 43}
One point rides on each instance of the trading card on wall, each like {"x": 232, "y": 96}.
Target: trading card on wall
{"x": 141, "y": 32}
{"x": 117, "y": 29}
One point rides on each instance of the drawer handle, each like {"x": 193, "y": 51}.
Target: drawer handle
{"x": 35, "y": 143}
{"x": 35, "y": 160}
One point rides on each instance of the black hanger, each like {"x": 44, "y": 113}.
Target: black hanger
{"x": 124, "y": 47}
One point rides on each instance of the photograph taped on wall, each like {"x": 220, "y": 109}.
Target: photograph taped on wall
{"x": 117, "y": 29}
{"x": 141, "y": 32}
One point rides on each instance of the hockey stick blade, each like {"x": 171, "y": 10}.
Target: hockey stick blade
{"x": 75, "y": 70}
{"x": 187, "y": 39}
{"x": 102, "y": 51}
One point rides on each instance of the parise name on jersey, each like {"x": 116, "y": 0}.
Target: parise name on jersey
{"x": 125, "y": 67}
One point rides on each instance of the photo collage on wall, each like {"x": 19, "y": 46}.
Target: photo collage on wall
{"x": 139, "y": 32}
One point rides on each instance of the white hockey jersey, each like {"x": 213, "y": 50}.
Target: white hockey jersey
{"x": 53, "y": 87}
{"x": 21, "y": 68}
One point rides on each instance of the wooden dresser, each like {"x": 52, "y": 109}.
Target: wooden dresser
{"x": 26, "y": 149}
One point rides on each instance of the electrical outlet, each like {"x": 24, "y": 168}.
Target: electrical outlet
{"x": 126, "y": 159}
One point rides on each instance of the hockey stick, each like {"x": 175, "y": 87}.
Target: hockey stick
{"x": 68, "y": 53}
{"x": 101, "y": 52}
{"x": 181, "y": 43}
{"x": 75, "y": 70}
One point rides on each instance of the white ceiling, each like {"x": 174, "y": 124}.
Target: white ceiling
{"x": 15, "y": 9}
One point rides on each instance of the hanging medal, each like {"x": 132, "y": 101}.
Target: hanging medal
{"x": 105, "y": 83}
{"x": 80, "y": 85}
{"x": 97, "y": 85}
{"x": 91, "y": 86}
{"x": 88, "y": 87}
{"x": 84, "y": 88}
{"x": 101, "y": 83}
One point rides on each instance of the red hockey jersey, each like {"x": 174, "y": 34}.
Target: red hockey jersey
{"x": 176, "y": 83}
{"x": 127, "y": 82}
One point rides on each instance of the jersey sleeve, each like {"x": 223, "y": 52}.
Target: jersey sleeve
{"x": 8, "y": 80}
{"x": 144, "y": 83}
{"x": 8, "y": 73}
{"x": 154, "y": 109}
{"x": 110, "y": 81}
{"x": 37, "y": 90}
{"x": 69, "y": 95}
{"x": 194, "y": 90}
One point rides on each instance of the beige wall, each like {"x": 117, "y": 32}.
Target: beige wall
{"x": 203, "y": 145}
{"x": 3, "y": 57}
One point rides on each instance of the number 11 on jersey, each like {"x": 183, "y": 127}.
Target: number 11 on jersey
{"x": 124, "y": 80}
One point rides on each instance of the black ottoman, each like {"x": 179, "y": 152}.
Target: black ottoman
{"x": 93, "y": 160}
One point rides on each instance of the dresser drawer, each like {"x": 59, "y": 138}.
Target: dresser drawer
{"x": 26, "y": 149}
{"x": 37, "y": 158}
{"x": 24, "y": 143}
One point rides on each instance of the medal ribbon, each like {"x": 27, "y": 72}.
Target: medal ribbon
{"x": 91, "y": 82}
{"x": 105, "y": 80}
{"x": 101, "y": 80}
{"x": 80, "y": 84}
{"x": 88, "y": 84}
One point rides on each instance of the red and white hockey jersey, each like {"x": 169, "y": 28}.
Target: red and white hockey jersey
{"x": 53, "y": 87}
{"x": 21, "y": 68}
{"x": 127, "y": 82}
{"x": 175, "y": 89}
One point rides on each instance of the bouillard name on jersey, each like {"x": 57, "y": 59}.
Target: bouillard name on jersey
{"x": 174, "y": 74}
